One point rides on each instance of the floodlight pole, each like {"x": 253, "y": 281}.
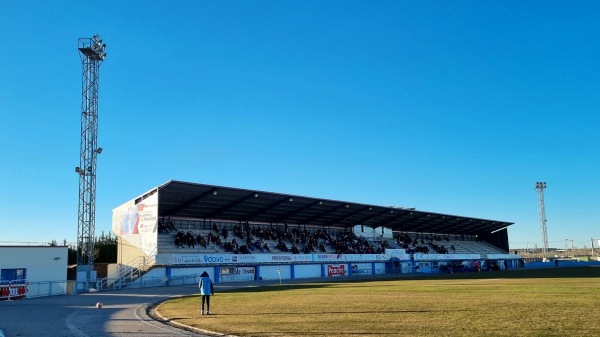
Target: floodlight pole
{"x": 540, "y": 187}
{"x": 593, "y": 246}
{"x": 92, "y": 53}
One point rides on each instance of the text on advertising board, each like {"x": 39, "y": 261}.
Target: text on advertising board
{"x": 339, "y": 270}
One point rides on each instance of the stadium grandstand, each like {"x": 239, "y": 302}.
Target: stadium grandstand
{"x": 178, "y": 230}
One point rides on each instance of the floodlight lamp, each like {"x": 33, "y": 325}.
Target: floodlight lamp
{"x": 77, "y": 169}
{"x": 99, "y": 150}
{"x": 214, "y": 192}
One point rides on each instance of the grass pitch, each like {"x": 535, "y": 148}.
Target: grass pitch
{"x": 551, "y": 302}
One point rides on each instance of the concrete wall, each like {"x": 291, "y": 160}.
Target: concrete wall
{"x": 126, "y": 252}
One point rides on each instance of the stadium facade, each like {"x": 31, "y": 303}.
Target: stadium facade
{"x": 147, "y": 247}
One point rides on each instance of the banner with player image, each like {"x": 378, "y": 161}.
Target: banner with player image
{"x": 136, "y": 223}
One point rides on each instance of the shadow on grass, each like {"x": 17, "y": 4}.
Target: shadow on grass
{"x": 566, "y": 272}
{"x": 285, "y": 287}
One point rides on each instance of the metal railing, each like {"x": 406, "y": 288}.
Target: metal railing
{"x": 50, "y": 288}
{"x": 128, "y": 273}
{"x": 153, "y": 281}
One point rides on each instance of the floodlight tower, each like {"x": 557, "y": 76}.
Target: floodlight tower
{"x": 540, "y": 187}
{"x": 92, "y": 53}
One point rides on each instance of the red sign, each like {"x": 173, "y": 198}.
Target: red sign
{"x": 339, "y": 270}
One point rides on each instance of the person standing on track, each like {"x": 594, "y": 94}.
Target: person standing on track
{"x": 206, "y": 290}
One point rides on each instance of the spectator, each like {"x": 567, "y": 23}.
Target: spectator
{"x": 201, "y": 241}
{"x": 179, "y": 239}
{"x": 170, "y": 226}
{"x": 224, "y": 233}
{"x": 206, "y": 290}
{"x": 244, "y": 249}
{"x": 162, "y": 229}
{"x": 189, "y": 238}
{"x": 282, "y": 247}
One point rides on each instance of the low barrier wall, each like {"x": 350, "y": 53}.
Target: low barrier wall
{"x": 13, "y": 291}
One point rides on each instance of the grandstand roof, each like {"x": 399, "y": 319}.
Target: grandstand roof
{"x": 190, "y": 200}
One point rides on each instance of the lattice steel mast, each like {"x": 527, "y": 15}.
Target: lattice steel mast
{"x": 92, "y": 53}
{"x": 540, "y": 187}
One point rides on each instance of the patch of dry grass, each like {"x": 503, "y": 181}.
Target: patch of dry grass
{"x": 469, "y": 305}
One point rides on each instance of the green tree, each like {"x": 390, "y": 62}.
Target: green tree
{"x": 72, "y": 255}
{"x": 105, "y": 248}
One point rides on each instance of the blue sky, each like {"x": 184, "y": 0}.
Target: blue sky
{"x": 453, "y": 107}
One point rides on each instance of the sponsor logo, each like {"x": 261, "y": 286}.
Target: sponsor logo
{"x": 245, "y": 257}
{"x": 327, "y": 256}
{"x": 187, "y": 259}
{"x": 336, "y": 270}
{"x": 211, "y": 258}
{"x": 282, "y": 258}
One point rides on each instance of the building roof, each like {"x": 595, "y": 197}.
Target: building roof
{"x": 179, "y": 199}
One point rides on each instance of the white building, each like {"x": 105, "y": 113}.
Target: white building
{"x": 43, "y": 269}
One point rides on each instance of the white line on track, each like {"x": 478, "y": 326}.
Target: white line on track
{"x": 161, "y": 326}
{"x": 72, "y": 327}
